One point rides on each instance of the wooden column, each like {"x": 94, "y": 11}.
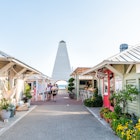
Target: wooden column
{"x": 20, "y": 89}
{"x": 36, "y": 94}
{"x": 77, "y": 86}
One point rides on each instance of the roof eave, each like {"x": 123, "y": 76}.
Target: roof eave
{"x": 106, "y": 62}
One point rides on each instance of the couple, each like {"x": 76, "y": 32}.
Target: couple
{"x": 52, "y": 91}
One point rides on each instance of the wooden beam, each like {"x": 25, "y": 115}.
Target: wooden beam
{"x": 20, "y": 72}
{"x": 114, "y": 70}
{"x": 26, "y": 77}
{"x": 129, "y": 68}
{"x": 14, "y": 70}
{"x": 6, "y": 67}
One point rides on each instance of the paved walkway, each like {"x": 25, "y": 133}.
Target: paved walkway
{"x": 61, "y": 121}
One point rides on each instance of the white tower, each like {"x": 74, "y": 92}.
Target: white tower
{"x": 61, "y": 69}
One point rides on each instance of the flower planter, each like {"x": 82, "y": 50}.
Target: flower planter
{"x": 71, "y": 95}
{"x": 5, "y": 114}
{"x": 101, "y": 115}
{"x": 110, "y": 121}
{"x": 107, "y": 120}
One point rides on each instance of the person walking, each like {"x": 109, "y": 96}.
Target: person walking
{"x": 54, "y": 90}
{"x": 49, "y": 92}
{"x": 34, "y": 93}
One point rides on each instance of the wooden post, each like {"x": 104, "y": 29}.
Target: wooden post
{"x": 77, "y": 86}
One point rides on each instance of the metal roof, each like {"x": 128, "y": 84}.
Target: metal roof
{"x": 128, "y": 56}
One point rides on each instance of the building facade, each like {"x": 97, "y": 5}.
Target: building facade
{"x": 115, "y": 73}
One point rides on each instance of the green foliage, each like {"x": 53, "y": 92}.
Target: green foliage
{"x": 113, "y": 115}
{"x": 71, "y": 80}
{"x": 88, "y": 102}
{"x": 118, "y": 109}
{"x": 27, "y": 91}
{"x": 95, "y": 101}
{"x": 126, "y": 128}
{"x": 115, "y": 123}
{"x": 98, "y": 102}
{"x": 111, "y": 99}
{"x": 96, "y": 91}
{"x": 95, "y": 94}
{"x": 4, "y": 104}
{"x": 104, "y": 110}
{"x": 128, "y": 94}
{"x": 71, "y": 84}
{"x": 70, "y": 88}
{"x": 134, "y": 119}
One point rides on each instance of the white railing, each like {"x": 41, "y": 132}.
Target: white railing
{"x": 85, "y": 94}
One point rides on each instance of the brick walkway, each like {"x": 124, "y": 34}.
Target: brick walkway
{"x": 61, "y": 99}
{"x": 64, "y": 119}
{"x": 58, "y": 122}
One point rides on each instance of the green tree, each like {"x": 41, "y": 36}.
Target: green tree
{"x": 123, "y": 96}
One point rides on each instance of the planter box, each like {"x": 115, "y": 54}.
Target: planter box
{"x": 5, "y": 114}
{"x": 72, "y": 95}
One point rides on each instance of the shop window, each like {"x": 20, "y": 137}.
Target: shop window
{"x": 86, "y": 82}
{"x": 82, "y": 82}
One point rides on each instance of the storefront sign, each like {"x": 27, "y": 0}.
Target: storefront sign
{"x": 100, "y": 75}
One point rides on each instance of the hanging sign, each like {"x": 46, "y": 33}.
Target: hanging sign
{"x": 100, "y": 74}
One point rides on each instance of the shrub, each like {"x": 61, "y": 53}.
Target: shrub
{"x": 71, "y": 80}
{"x": 104, "y": 110}
{"x": 94, "y": 102}
{"x": 71, "y": 84}
{"x": 123, "y": 96}
{"x": 88, "y": 102}
{"x": 118, "y": 109}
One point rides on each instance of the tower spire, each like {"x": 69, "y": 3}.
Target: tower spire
{"x": 61, "y": 69}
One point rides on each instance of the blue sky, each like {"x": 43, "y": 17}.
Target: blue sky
{"x": 30, "y": 30}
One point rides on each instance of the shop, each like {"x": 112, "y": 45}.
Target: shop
{"x": 115, "y": 73}
{"x": 82, "y": 82}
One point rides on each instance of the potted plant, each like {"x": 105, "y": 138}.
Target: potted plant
{"x": 103, "y": 110}
{"x": 106, "y": 117}
{"x": 27, "y": 94}
{"x": 112, "y": 115}
{"x": 5, "y": 109}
